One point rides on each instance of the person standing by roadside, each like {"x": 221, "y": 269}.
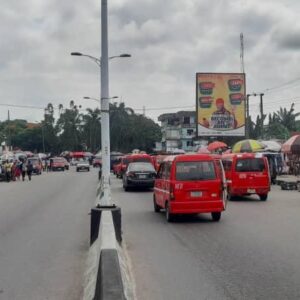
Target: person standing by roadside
{"x": 18, "y": 170}
{"x": 7, "y": 168}
{"x": 13, "y": 170}
{"x": 23, "y": 169}
{"x": 29, "y": 169}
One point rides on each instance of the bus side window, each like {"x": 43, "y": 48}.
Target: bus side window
{"x": 227, "y": 164}
{"x": 161, "y": 171}
{"x": 167, "y": 170}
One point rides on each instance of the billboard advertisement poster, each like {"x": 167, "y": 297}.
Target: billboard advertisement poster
{"x": 220, "y": 104}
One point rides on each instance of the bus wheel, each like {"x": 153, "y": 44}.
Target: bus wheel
{"x": 216, "y": 216}
{"x": 263, "y": 197}
{"x": 169, "y": 216}
{"x": 156, "y": 207}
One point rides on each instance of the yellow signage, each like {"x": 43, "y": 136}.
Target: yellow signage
{"x": 220, "y": 104}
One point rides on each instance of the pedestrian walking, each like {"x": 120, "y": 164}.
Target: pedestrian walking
{"x": 18, "y": 171}
{"x": 24, "y": 169}
{"x": 29, "y": 169}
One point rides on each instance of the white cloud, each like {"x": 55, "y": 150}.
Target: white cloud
{"x": 169, "y": 41}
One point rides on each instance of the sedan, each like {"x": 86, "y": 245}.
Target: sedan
{"x": 139, "y": 174}
{"x": 83, "y": 165}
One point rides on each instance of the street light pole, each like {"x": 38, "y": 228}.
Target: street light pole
{"x": 105, "y": 134}
{"x": 261, "y": 115}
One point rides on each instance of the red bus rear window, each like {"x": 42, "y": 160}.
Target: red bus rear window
{"x": 250, "y": 165}
{"x": 195, "y": 170}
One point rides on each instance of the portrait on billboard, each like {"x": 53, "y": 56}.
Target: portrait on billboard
{"x": 220, "y": 104}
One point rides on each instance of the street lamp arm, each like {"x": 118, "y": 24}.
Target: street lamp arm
{"x": 95, "y": 59}
{"x": 98, "y": 60}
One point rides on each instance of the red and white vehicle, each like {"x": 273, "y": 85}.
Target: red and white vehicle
{"x": 190, "y": 184}
{"x": 247, "y": 174}
{"x": 57, "y": 163}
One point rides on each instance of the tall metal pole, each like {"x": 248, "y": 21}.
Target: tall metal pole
{"x": 247, "y": 117}
{"x": 105, "y": 134}
{"x": 262, "y": 114}
{"x": 9, "y": 134}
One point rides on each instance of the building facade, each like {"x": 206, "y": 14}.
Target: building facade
{"x": 178, "y": 131}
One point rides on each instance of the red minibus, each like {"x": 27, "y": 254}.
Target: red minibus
{"x": 190, "y": 184}
{"x": 247, "y": 174}
{"x": 127, "y": 159}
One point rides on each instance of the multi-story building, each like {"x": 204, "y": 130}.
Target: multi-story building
{"x": 178, "y": 131}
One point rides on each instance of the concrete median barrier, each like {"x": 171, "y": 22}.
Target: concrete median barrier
{"x": 107, "y": 274}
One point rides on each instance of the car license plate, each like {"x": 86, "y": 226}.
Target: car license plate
{"x": 143, "y": 176}
{"x": 251, "y": 191}
{"x": 196, "y": 194}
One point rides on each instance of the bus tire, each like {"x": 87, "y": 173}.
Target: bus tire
{"x": 216, "y": 216}
{"x": 263, "y": 197}
{"x": 156, "y": 207}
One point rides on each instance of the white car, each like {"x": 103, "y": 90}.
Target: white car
{"x": 82, "y": 165}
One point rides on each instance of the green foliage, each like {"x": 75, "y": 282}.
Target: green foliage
{"x": 280, "y": 124}
{"x": 131, "y": 131}
{"x": 75, "y": 130}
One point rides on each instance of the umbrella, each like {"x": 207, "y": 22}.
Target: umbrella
{"x": 247, "y": 146}
{"x": 271, "y": 146}
{"x": 292, "y": 145}
{"x": 203, "y": 150}
{"x": 88, "y": 154}
{"x": 77, "y": 154}
{"x": 216, "y": 145}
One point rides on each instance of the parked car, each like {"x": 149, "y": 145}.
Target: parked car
{"x": 190, "y": 184}
{"x": 57, "y": 163}
{"x": 139, "y": 174}
{"x": 83, "y": 165}
{"x": 67, "y": 164}
{"x": 36, "y": 164}
{"x": 247, "y": 174}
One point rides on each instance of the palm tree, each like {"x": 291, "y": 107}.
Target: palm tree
{"x": 287, "y": 118}
{"x": 92, "y": 129}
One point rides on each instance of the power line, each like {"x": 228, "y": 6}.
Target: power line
{"x": 279, "y": 100}
{"x": 164, "y": 108}
{"x": 282, "y": 85}
{"x": 22, "y": 106}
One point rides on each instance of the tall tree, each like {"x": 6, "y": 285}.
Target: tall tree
{"x": 287, "y": 118}
{"x": 92, "y": 129}
{"x": 69, "y": 128}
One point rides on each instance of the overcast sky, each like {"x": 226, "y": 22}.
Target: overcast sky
{"x": 170, "y": 40}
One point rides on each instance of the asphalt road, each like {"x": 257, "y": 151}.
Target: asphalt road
{"x": 252, "y": 253}
{"x": 44, "y": 235}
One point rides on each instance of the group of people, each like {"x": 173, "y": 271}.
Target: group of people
{"x": 16, "y": 170}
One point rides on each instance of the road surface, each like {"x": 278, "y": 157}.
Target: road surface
{"x": 44, "y": 235}
{"x": 252, "y": 253}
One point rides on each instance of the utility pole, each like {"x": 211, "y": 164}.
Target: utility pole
{"x": 144, "y": 110}
{"x": 9, "y": 133}
{"x": 105, "y": 134}
{"x": 247, "y": 116}
{"x": 242, "y": 53}
{"x": 262, "y": 114}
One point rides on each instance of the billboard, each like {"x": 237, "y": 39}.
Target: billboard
{"x": 220, "y": 104}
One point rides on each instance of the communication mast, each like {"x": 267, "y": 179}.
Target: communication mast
{"x": 242, "y": 53}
